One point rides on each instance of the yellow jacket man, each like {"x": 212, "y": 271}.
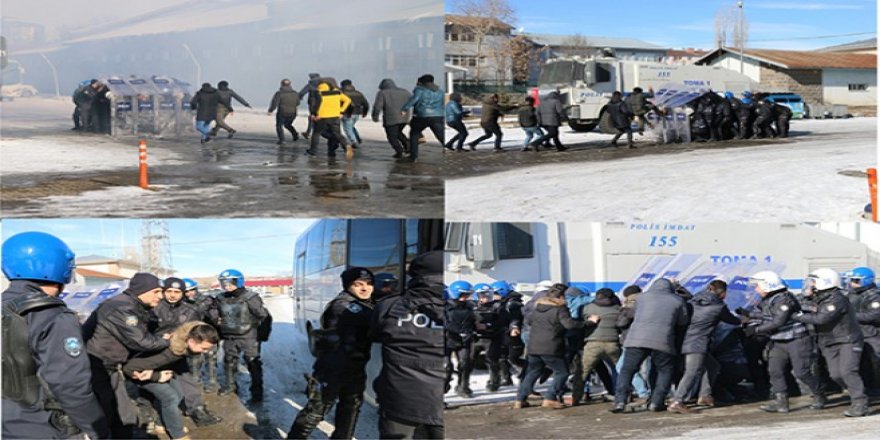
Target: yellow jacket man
{"x": 326, "y": 112}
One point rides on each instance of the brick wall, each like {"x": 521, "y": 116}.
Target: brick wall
{"x": 807, "y": 83}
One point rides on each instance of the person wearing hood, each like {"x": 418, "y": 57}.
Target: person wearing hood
{"x": 326, "y": 114}
{"x": 224, "y": 108}
{"x": 310, "y": 93}
{"x": 205, "y": 104}
{"x": 389, "y": 100}
{"x": 116, "y": 332}
{"x": 455, "y": 120}
{"x": 602, "y": 341}
{"x": 621, "y": 118}
{"x": 708, "y": 309}
{"x": 623, "y": 323}
{"x": 286, "y": 100}
{"x": 426, "y": 104}
{"x": 547, "y": 324}
{"x": 659, "y": 314}
{"x": 159, "y": 374}
{"x": 359, "y": 108}
{"x": 410, "y": 327}
{"x": 489, "y": 116}
{"x": 342, "y": 351}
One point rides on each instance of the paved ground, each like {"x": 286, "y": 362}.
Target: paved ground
{"x": 49, "y": 171}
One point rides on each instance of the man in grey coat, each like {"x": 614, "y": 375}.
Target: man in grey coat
{"x": 659, "y": 314}
{"x": 388, "y": 103}
{"x": 550, "y": 116}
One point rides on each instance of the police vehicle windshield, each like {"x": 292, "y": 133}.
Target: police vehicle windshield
{"x": 559, "y": 72}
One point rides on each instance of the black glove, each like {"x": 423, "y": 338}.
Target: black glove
{"x": 742, "y": 312}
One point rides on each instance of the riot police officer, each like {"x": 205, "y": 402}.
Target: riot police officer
{"x": 764, "y": 118}
{"x": 409, "y": 389}
{"x": 342, "y": 352}
{"x": 114, "y": 333}
{"x": 790, "y": 341}
{"x": 491, "y": 324}
{"x": 241, "y": 312}
{"x": 460, "y": 328}
{"x": 385, "y": 285}
{"x": 840, "y": 338}
{"x": 745, "y": 115}
{"x": 512, "y": 346}
{"x": 865, "y": 297}
{"x": 209, "y": 312}
{"x": 783, "y": 116}
{"x": 172, "y": 312}
{"x": 47, "y": 390}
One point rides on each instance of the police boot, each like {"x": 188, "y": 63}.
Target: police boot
{"x": 230, "y": 386}
{"x": 819, "y": 401}
{"x": 857, "y": 409}
{"x": 506, "y": 380}
{"x": 255, "y": 368}
{"x": 493, "y": 383}
{"x": 202, "y": 417}
{"x": 347, "y": 411}
{"x": 463, "y": 389}
{"x": 308, "y": 419}
{"x": 780, "y": 405}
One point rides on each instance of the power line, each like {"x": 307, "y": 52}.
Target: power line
{"x": 227, "y": 240}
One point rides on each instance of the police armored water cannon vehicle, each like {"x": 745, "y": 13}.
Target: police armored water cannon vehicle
{"x": 586, "y": 83}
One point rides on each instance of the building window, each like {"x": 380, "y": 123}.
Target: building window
{"x": 460, "y": 37}
{"x": 858, "y": 87}
{"x": 462, "y": 60}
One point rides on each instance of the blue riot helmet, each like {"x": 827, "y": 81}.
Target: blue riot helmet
{"x": 190, "y": 284}
{"x": 502, "y": 288}
{"x": 38, "y": 256}
{"x": 864, "y": 276}
{"x": 728, "y": 95}
{"x": 385, "y": 279}
{"x": 484, "y": 292}
{"x": 231, "y": 276}
{"x": 459, "y": 288}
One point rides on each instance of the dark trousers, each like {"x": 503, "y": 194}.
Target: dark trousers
{"x": 250, "y": 347}
{"x": 285, "y": 122}
{"x": 335, "y": 128}
{"x": 536, "y": 363}
{"x": 663, "y": 364}
{"x": 492, "y": 347}
{"x": 348, "y": 391}
{"x": 418, "y": 125}
{"x": 799, "y": 354}
{"x": 620, "y": 131}
{"x": 395, "y": 136}
{"x": 460, "y": 135}
{"x": 462, "y": 354}
{"x": 77, "y": 124}
{"x": 490, "y": 129}
{"x": 551, "y": 136}
{"x": 191, "y": 389}
{"x": 392, "y": 428}
{"x": 782, "y": 126}
{"x": 86, "y": 115}
{"x": 843, "y": 365}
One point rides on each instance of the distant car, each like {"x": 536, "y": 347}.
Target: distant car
{"x": 791, "y": 100}
{"x": 19, "y": 90}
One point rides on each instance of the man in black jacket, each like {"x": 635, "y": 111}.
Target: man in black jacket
{"x": 409, "y": 326}
{"x": 492, "y": 322}
{"x": 47, "y": 390}
{"x": 224, "y": 108}
{"x": 114, "y": 333}
{"x": 310, "y": 93}
{"x": 840, "y": 338}
{"x": 342, "y": 352}
{"x": 241, "y": 312}
{"x": 490, "y": 113}
{"x": 621, "y": 118}
{"x": 286, "y": 100}
{"x": 460, "y": 334}
{"x": 359, "y": 108}
{"x": 865, "y": 297}
{"x": 205, "y": 104}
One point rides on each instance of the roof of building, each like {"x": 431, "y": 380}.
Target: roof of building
{"x": 97, "y": 274}
{"x": 689, "y": 52}
{"x": 592, "y": 41}
{"x": 466, "y": 20}
{"x": 868, "y": 44}
{"x": 790, "y": 59}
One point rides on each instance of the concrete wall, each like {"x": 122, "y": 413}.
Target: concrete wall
{"x": 835, "y": 83}
{"x": 752, "y": 68}
{"x": 807, "y": 83}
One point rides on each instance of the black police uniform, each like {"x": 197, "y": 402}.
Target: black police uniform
{"x": 783, "y": 116}
{"x": 460, "y": 333}
{"x": 241, "y": 311}
{"x": 114, "y": 333}
{"x": 764, "y": 118}
{"x": 514, "y": 345}
{"x": 790, "y": 342}
{"x": 491, "y": 324}
{"x": 840, "y": 340}
{"x": 409, "y": 388}
{"x": 743, "y": 113}
{"x": 724, "y": 118}
{"x": 209, "y": 313}
{"x": 866, "y": 302}
{"x": 51, "y": 347}
{"x": 343, "y": 349}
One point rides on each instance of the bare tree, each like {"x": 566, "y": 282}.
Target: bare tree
{"x": 523, "y": 56}
{"x": 485, "y": 19}
{"x": 728, "y": 32}
{"x": 577, "y": 44}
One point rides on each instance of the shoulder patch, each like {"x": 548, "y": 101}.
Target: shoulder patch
{"x": 73, "y": 346}
{"x": 783, "y": 307}
{"x": 131, "y": 320}
{"x": 875, "y": 305}
{"x": 831, "y": 307}
{"x": 354, "y": 308}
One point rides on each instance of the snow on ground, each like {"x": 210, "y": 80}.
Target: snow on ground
{"x": 286, "y": 359}
{"x": 789, "y": 182}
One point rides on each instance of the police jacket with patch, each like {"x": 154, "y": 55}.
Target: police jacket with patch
{"x": 241, "y": 312}
{"x": 55, "y": 343}
{"x": 866, "y": 301}
{"x": 460, "y": 324}
{"x": 513, "y": 303}
{"x": 207, "y": 307}
{"x": 117, "y": 330}
{"x": 834, "y": 319}
{"x": 492, "y": 319}
{"x": 343, "y": 343}
{"x": 775, "y": 317}
{"x": 707, "y": 311}
{"x": 410, "y": 328}
{"x": 170, "y": 316}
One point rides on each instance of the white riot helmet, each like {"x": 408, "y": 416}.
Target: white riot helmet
{"x": 822, "y": 279}
{"x": 768, "y": 281}
{"x": 544, "y": 285}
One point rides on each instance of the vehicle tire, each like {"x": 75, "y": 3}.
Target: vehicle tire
{"x": 581, "y": 128}
{"x": 605, "y": 124}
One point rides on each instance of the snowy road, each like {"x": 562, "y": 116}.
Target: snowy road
{"x": 818, "y": 174}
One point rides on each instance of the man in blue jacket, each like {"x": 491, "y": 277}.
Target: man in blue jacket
{"x": 428, "y": 112}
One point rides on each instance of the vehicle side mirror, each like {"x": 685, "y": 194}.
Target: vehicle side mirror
{"x": 590, "y": 73}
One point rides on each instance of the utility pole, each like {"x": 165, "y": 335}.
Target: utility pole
{"x": 742, "y": 40}
{"x": 156, "y": 248}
